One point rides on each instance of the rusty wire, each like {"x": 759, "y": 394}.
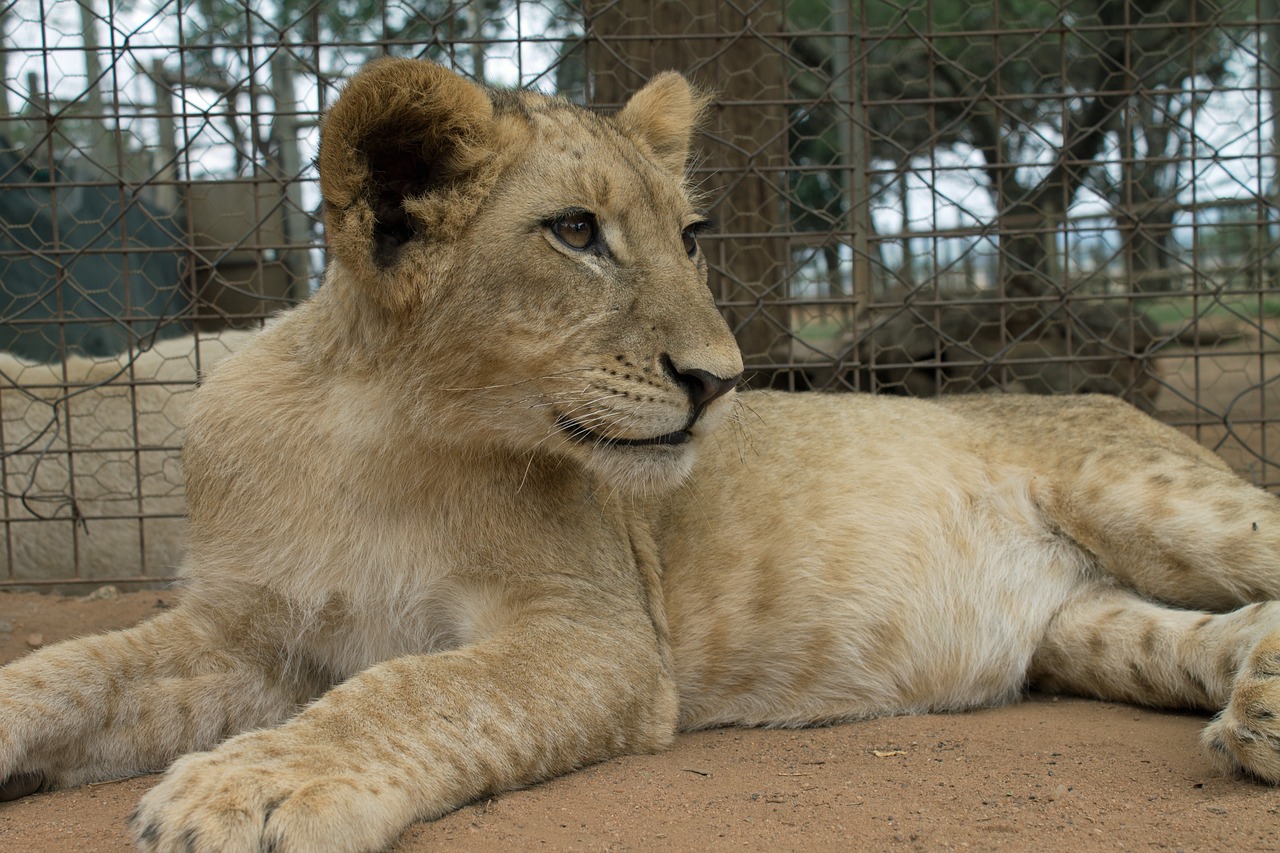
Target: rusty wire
{"x": 914, "y": 197}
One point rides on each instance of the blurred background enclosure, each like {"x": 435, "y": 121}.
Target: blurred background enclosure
{"x": 914, "y": 197}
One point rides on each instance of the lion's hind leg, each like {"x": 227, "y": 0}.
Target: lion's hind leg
{"x": 1168, "y": 518}
{"x": 1154, "y": 509}
{"x": 129, "y": 702}
{"x": 1112, "y": 644}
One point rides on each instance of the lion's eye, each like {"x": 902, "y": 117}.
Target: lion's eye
{"x": 576, "y": 230}
{"x": 690, "y": 238}
{"x": 690, "y": 235}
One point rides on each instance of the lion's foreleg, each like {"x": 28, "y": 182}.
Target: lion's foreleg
{"x": 129, "y": 702}
{"x": 417, "y": 736}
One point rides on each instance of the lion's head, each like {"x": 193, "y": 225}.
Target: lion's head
{"x": 535, "y": 266}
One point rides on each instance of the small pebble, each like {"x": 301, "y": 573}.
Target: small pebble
{"x": 35, "y": 641}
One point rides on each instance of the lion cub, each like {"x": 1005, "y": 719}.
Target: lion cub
{"x": 488, "y": 508}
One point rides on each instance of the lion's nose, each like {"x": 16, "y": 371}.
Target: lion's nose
{"x": 701, "y": 386}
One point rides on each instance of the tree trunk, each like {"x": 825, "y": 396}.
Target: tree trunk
{"x": 1147, "y": 195}
{"x": 744, "y": 143}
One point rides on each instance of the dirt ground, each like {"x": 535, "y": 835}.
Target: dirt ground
{"x": 1046, "y": 774}
{"x": 1233, "y": 396}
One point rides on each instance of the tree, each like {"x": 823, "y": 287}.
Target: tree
{"x": 1039, "y": 90}
{"x": 269, "y": 67}
{"x": 735, "y": 52}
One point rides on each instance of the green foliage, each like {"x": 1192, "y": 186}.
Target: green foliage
{"x": 218, "y": 37}
{"x": 1034, "y": 87}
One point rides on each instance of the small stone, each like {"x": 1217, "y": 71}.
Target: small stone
{"x": 103, "y": 593}
{"x": 35, "y": 641}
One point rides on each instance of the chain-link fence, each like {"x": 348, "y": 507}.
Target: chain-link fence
{"x": 914, "y": 197}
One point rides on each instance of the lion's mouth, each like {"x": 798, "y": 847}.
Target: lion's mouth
{"x": 581, "y": 434}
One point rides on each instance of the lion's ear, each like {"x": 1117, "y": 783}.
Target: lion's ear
{"x": 402, "y": 130}
{"x": 664, "y": 115}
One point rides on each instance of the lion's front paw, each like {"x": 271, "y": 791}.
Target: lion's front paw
{"x": 257, "y": 793}
{"x": 1245, "y": 737}
{"x": 20, "y": 785}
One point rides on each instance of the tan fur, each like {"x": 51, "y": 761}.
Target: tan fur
{"x": 435, "y": 551}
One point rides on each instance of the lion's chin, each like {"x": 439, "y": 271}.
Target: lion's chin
{"x": 640, "y": 470}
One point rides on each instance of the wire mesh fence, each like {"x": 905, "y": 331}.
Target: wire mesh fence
{"x": 914, "y": 197}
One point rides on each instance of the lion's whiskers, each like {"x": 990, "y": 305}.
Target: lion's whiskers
{"x": 518, "y": 382}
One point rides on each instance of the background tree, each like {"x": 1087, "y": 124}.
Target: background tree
{"x": 735, "y": 51}
{"x": 1041, "y": 91}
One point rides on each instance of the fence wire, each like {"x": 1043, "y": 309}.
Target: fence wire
{"x": 915, "y": 197}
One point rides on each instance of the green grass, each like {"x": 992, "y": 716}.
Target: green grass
{"x": 1167, "y": 311}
